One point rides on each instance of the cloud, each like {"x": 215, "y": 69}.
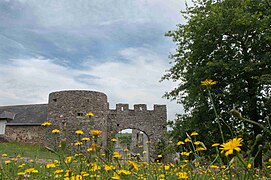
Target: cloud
{"x": 73, "y": 30}
{"x": 135, "y": 79}
{"x": 117, "y": 47}
{"x": 85, "y": 13}
{"x": 31, "y": 80}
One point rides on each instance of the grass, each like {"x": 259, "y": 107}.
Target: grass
{"x": 32, "y": 151}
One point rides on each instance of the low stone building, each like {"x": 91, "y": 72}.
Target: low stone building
{"x": 67, "y": 109}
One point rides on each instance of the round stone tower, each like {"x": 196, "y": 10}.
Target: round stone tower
{"x": 67, "y": 111}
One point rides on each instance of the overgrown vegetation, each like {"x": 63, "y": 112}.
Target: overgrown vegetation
{"x": 222, "y": 62}
{"x": 227, "y": 41}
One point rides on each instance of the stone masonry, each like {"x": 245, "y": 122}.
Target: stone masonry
{"x": 68, "y": 108}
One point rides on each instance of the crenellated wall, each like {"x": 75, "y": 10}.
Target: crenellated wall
{"x": 67, "y": 109}
{"x": 151, "y": 122}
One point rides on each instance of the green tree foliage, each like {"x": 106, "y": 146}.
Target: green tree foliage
{"x": 228, "y": 41}
{"x": 125, "y": 138}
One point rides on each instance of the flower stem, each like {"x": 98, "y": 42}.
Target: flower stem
{"x": 216, "y": 114}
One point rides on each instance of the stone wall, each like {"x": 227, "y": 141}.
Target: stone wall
{"x": 151, "y": 122}
{"x": 67, "y": 111}
{"x": 26, "y": 134}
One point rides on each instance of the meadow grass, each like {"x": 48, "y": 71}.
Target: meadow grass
{"x": 31, "y": 151}
{"x": 88, "y": 162}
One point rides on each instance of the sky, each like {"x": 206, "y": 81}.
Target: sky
{"x": 113, "y": 46}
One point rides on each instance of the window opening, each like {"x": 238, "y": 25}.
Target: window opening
{"x": 80, "y": 114}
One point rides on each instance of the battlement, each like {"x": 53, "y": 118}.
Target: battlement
{"x": 67, "y": 109}
{"x": 139, "y": 108}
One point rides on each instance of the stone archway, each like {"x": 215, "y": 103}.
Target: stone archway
{"x": 151, "y": 122}
{"x": 134, "y": 143}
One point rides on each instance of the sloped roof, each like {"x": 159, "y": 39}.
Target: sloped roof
{"x": 33, "y": 114}
{"x": 7, "y": 115}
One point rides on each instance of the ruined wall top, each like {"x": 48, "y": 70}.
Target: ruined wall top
{"x": 120, "y": 107}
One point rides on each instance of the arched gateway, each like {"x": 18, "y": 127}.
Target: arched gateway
{"x": 68, "y": 108}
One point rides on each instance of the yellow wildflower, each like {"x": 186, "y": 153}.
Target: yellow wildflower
{"x": 55, "y": 131}
{"x": 21, "y": 173}
{"x": 95, "y": 132}
{"x": 214, "y": 167}
{"x": 194, "y": 133}
{"x": 208, "y": 82}
{"x": 200, "y": 149}
{"x": 161, "y": 176}
{"x": 95, "y": 167}
{"x": 123, "y": 171}
{"x": 78, "y": 143}
{"x": 187, "y": 140}
{"x": 115, "y": 177}
{"x": 68, "y": 159}
{"x": 93, "y": 146}
{"x": 108, "y": 168}
{"x": 133, "y": 164}
{"x": 185, "y": 153}
{"x": 4, "y": 155}
{"x": 180, "y": 143}
{"x": 21, "y": 165}
{"x": 182, "y": 175}
{"x": 46, "y": 124}
{"x": 50, "y": 165}
{"x": 78, "y": 177}
{"x": 79, "y": 132}
{"x": 85, "y": 139}
{"x": 56, "y": 161}
{"x": 249, "y": 166}
{"x": 77, "y": 155}
{"x": 125, "y": 150}
{"x": 7, "y": 162}
{"x": 84, "y": 174}
{"x": 197, "y": 143}
{"x": 89, "y": 114}
{"x": 231, "y": 145}
{"x": 31, "y": 170}
{"x": 114, "y": 140}
{"x": 215, "y": 144}
{"x": 167, "y": 167}
{"x": 58, "y": 171}
{"x": 159, "y": 156}
{"x": 116, "y": 155}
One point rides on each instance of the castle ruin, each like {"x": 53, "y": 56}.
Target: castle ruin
{"x": 68, "y": 108}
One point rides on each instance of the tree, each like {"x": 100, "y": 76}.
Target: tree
{"x": 228, "y": 41}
